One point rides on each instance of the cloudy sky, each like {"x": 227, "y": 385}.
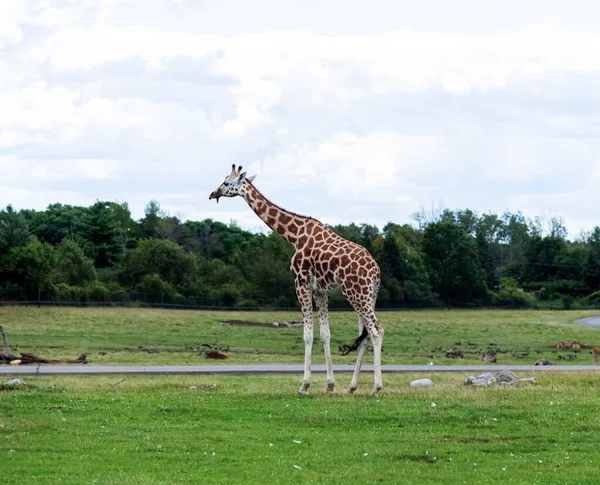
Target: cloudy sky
{"x": 345, "y": 110}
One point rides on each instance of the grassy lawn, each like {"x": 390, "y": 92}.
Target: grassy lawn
{"x": 144, "y": 336}
{"x": 156, "y": 430}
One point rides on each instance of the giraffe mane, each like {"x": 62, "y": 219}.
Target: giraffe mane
{"x": 289, "y": 212}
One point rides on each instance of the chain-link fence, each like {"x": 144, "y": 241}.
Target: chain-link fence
{"x": 103, "y": 297}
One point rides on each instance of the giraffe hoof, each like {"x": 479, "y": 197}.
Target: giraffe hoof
{"x": 304, "y": 389}
{"x": 351, "y": 389}
{"x": 330, "y": 387}
{"x": 376, "y": 390}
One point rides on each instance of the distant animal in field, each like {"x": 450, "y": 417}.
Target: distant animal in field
{"x": 214, "y": 355}
{"x": 489, "y": 357}
{"x": 454, "y": 354}
{"x": 596, "y": 352}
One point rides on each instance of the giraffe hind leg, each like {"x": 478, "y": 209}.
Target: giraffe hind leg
{"x": 376, "y": 334}
{"x": 361, "y": 343}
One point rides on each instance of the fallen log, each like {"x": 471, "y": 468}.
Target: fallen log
{"x": 26, "y": 358}
{"x": 82, "y": 359}
{"x": 4, "y": 339}
{"x": 6, "y": 357}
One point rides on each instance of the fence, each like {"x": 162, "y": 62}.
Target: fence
{"x": 104, "y": 298}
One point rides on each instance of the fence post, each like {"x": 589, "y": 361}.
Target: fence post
{"x": 162, "y": 299}
{"x": 39, "y": 298}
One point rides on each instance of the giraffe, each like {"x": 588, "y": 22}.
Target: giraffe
{"x": 322, "y": 262}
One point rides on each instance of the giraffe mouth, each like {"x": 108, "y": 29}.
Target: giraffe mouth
{"x": 215, "y": 195}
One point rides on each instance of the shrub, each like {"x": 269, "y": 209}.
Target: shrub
{"x": 510, "y": 295}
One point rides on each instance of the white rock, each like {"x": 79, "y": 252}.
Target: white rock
{"x": 482, "y": 380}
{"x": 421, "y": 383}
{"x": 15, "y": 382}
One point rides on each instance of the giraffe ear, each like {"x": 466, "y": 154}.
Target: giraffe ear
{"x": 251, "y": 179}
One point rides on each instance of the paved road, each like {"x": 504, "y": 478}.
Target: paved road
{"x": 281, "y": 369}
{"x": 589, "y": 322}
{"x": 269, "y": 369}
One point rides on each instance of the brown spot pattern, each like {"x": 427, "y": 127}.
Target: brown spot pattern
{"x": 322, "y": 254}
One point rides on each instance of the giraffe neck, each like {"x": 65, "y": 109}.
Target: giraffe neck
{"x": 287, "y": 224}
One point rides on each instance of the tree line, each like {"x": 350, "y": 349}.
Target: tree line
{"x": 460, "y": 258}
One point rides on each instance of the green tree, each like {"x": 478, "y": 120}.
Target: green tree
{"x": 468, "y": 220}
{"x": 591, "y": 269}
{"x": 514, "y": 235}
{"x": 226, "y": 284}
{"x": 58, "y": 222}
{"x": 486, "y": 259}
{"x": 204, "y": 239}
{"x": 268, "y": 269}
{"x": 393, "y": 262}
{"x": 73, "y": 266}
{"x": 404, "y": 272}
{"x": 124, "y": 228}
{"x": 540, "y": 258}
{"x": 105, "y": 233}
{"x": 30, "y": 266}
{"x": 509, "y": 294}
{"x": 14, "y": 230}
{"x": 149, "y": 225}
{"x": 451, "y": 256}
{"x": 161, "y": 257}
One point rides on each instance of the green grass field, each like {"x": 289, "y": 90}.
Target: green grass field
{"x": 256, "y": 429}
{"x": 144, "y": 336}
{"x": 156, "y": 430}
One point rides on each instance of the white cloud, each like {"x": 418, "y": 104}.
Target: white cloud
{"x": 12, "y": 14}
{"x": 366, "y": 118}
{"x": 74, "y": 169}
{"x": 376, "y": 166}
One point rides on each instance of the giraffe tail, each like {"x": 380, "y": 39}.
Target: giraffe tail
{"x": 346, "y": 349}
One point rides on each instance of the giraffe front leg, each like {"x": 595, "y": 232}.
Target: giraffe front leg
{"x": 321, "y": 301}
{"x": 304, "y": 297}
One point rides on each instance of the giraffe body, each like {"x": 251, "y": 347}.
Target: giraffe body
{"x": 323, "y": 262}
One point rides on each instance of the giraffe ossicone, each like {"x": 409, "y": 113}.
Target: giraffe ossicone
{"x": 323, "y": 261}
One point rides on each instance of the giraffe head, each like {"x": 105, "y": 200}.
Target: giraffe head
{"x": 232, "y": 185}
